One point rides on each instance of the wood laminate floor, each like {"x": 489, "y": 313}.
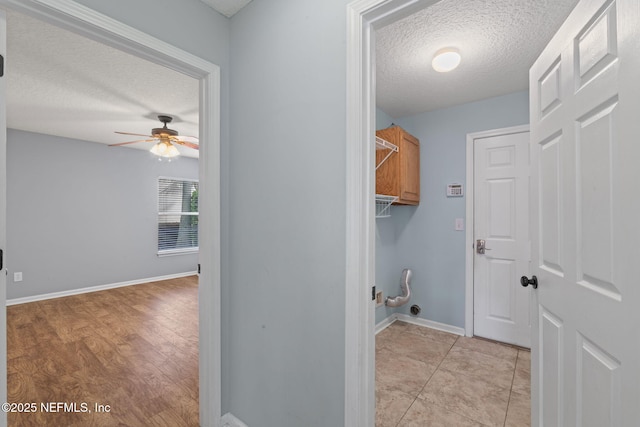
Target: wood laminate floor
{"x": 134, "y": 349}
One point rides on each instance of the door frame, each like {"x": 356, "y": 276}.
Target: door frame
{"x": 96, "y": 26}
{"x": 470, "y": 216}
{"x": 363, "y": 18}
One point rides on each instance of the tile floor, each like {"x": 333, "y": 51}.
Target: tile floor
{"x": 429, "y": 378}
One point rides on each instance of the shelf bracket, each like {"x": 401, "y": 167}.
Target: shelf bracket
{"x": 383, "y": 205}
{"x": 382, "y": 144}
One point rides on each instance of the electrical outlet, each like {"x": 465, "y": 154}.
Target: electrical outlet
{"x": 17, "y": 276}
{"x": 379, "y": 300}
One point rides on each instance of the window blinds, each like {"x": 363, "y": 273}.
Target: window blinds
{"x": 177, "y": 214}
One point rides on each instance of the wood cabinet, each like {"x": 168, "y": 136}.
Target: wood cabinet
{"x": 399, "y": 175}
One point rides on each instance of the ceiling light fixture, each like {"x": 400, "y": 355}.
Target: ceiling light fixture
{"x": 164, "y": 148}
{"x": 167, "y": 140}
{"x": 446, "y": 60}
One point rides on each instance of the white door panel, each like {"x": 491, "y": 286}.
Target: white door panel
{"x": 585, "y": 100}
{"x": 501, "y": 180}
{"x": 551, "y": 350}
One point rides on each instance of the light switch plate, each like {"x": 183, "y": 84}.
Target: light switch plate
{"x": 459, "y": 224}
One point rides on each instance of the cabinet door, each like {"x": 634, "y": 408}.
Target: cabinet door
{"x": 409, "y": 169}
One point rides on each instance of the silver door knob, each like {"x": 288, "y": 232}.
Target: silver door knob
{"x": 481, "y": 246}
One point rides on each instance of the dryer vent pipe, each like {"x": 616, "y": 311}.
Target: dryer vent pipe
{"x": 406, "y": 291}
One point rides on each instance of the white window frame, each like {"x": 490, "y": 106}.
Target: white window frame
{"x": 178, "y": 251}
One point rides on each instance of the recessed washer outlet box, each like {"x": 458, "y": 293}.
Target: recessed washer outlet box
{"x": 379, "y": 299}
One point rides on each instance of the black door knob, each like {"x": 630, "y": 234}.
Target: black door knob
{"x": 525, "y": 281}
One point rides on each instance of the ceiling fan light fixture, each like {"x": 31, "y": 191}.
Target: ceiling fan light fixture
{"x": 165, "y": 140}
{"x": 159, "y": 148}
{"x": 446, "y": 59}
{"x": 164, "y": 149}
{"x": 172, "y": 151}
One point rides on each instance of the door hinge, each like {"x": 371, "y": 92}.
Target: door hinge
{"x": 373, "y": 293}
{"x": 1, "y": 66}
{"x": 1, "y": 259}
{"x": 198, "y": 268}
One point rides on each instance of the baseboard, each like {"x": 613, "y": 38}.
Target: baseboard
{"x": 385, "y": 323}
{"x": 23, "y": 300}
{"x": 229, "y": 420}
{"x": 430, "y": 324}
{"x": 420, "y": 322}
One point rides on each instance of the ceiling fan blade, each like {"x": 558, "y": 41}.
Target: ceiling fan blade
{"x": 187, "y": 144}
{"x": 178, "y": 137}
{"x": 134, "y": 134}
{"x": 131, "y": 142}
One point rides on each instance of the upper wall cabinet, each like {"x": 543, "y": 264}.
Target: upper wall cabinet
{"x": 399, "y": 175}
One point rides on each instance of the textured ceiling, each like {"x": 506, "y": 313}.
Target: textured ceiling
{"x": 61, "y": 84}
{"x": 66, "y": 85}
{"x": 227, "y": 7}
{"x": 497, "y": 39}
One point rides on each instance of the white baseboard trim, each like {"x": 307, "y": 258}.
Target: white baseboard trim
{"x": 430, "y": 324}
{"x": 229, "y": 420}
{"x": 385, "y": 323}
{"x": 420, "y": 322}
{"x": 14, "y": 301}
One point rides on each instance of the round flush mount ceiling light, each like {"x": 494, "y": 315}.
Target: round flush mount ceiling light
{"x": 446, "y": 60}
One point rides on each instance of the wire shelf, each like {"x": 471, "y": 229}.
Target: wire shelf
{"x": 383, "y": 205}
{"x": 383, "y": 144}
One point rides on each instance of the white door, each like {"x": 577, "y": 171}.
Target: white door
{"x": 501, "y": 236}
{"x": 585, "y": 148}
{"x": 3, "y": 212}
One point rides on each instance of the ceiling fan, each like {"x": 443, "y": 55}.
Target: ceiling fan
{"x": 164, "y": 139}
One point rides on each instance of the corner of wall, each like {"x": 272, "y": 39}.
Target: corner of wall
{"x": 229, "y": 420}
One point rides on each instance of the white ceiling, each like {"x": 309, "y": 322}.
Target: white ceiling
{"x": 62, "y": 84}
{"x": 497, "y": 39}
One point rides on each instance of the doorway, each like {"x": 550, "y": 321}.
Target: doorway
{"x": 364, "y": 17}
{"x": 101, "y": 28}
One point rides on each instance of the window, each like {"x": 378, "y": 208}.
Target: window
{"x": 177, "y": 216}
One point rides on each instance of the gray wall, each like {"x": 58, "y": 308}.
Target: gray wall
{"x": 188, "y": 24}
{"x": 284, "y": 336}
{"x": 425, "y": 239}
{"x": 82, "y": 214}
